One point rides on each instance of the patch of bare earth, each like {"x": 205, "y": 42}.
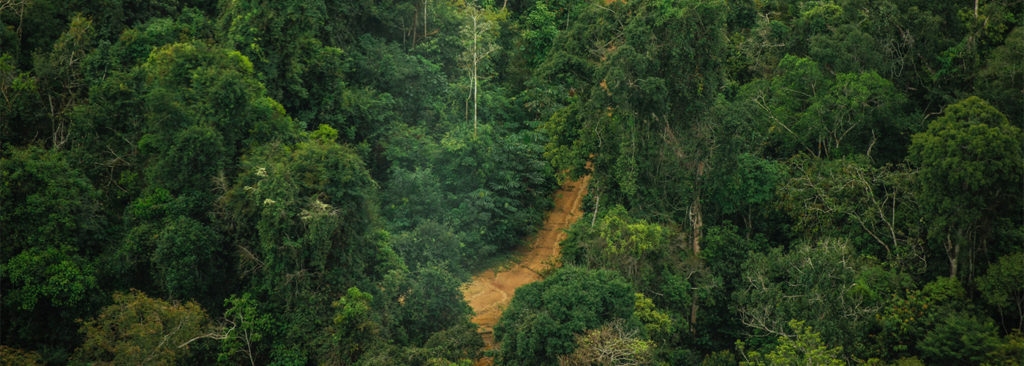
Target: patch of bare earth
{"x": 491, "y": 291}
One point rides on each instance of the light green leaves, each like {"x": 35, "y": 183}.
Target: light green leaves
{"x": 803, "y": 347}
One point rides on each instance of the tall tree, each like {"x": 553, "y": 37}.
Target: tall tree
{"x": 970, "y": 169}
{"x": 52, "y": 229}
{"x": 479, "y": 34}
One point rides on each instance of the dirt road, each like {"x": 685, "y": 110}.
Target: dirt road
{"x": 491, "y": 291}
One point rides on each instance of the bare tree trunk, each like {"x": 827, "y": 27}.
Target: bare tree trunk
{"x": 952, "y": 252}
{"x": 597, "y": 205}
{"x": 475, "y": 61}
{"x": 697, "y": 220}
{"x": 412, "y": 29}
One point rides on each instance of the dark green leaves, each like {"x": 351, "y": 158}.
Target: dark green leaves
{"x": 539, "y": 324}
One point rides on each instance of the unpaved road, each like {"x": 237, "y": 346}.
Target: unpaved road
{"x": 491, "y": 291}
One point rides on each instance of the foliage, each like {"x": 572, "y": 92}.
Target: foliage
{"x": 849, "y": 198}
{"x": 644, "y": 94}
{"x": 823, "y": 284}
{"x": 907, "y": 318}
{"x": 637, "y": 249}
{"x": 16, "y": 357}
{"x": 248, "y": 327}
{"x": 21, "y": 111}
{"x": 1002, "y": 77}
{"x": 427, "y": 302}
{"x": 306, "y": 212}
{"x": 970, "y": 165}
{"x": 960, "y": 338}
{"x": 352, "y": 322}
{"x": 1001, "y": 286}
{"x": 817, "y": 114}
{"x": 658, "y": 324}
{"x": 139, "y": 329}
{"x": 540, "y": 323}
{"x": 804, "y": 347}
{"x": 52, "y": 228}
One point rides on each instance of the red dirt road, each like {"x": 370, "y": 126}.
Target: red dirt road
{"x": 491, "y": 291}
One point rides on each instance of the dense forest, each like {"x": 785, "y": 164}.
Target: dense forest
{"x": 309, "y": 182}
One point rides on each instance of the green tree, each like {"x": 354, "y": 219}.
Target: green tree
{"x": 745, "y": 187}
{"x": 634, "y": 248}
{"x": 303, "y": 219}
{"x": 724, "y": 254}
{"x": 825, "y": 116}
{"x": 52, "y": 229}
{"x": 247, "y": 328}
{"x": 907, "y": 318}
{"x": 850, "y": 198}
{"x": 61, "y": 80}
{"x": 192, "y": 110}
{"x": 479, "y": 35}
{"x": 960, "y": 337}
{"x": 644, "y": 95}
{"x": 430, "y": 244}
{"x": 281, "y": 40}
{"x": 423, "y": 302}
{"x": 47, "y": 203}
{"x": 311, "y": 209}
{"x": 825, "y": 284}
{"x": 413, "y": 198}
{"x": 498, "y": 186}
{"x": 354, "y": 328}
{"x": 185, "y": 259}
{"x": 847, "y": 48}
{"x": 21, "y": 111}
{"x": 108, "y": 126}
{"x": 206, "y": 108}
{"x": 970, "y": 166}
{"x": 1009, "y": 352}
{"x": 1001, "y": 287}
{"x": 538, "y": 30}
{"x": 540, "y": 323}
{"x": 1002, "y": 78}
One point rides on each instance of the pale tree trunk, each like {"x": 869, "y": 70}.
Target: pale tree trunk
{"x": 952, "y": 253}
{"x": 475, "y": 61}
{"x": 697, "y": 221}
